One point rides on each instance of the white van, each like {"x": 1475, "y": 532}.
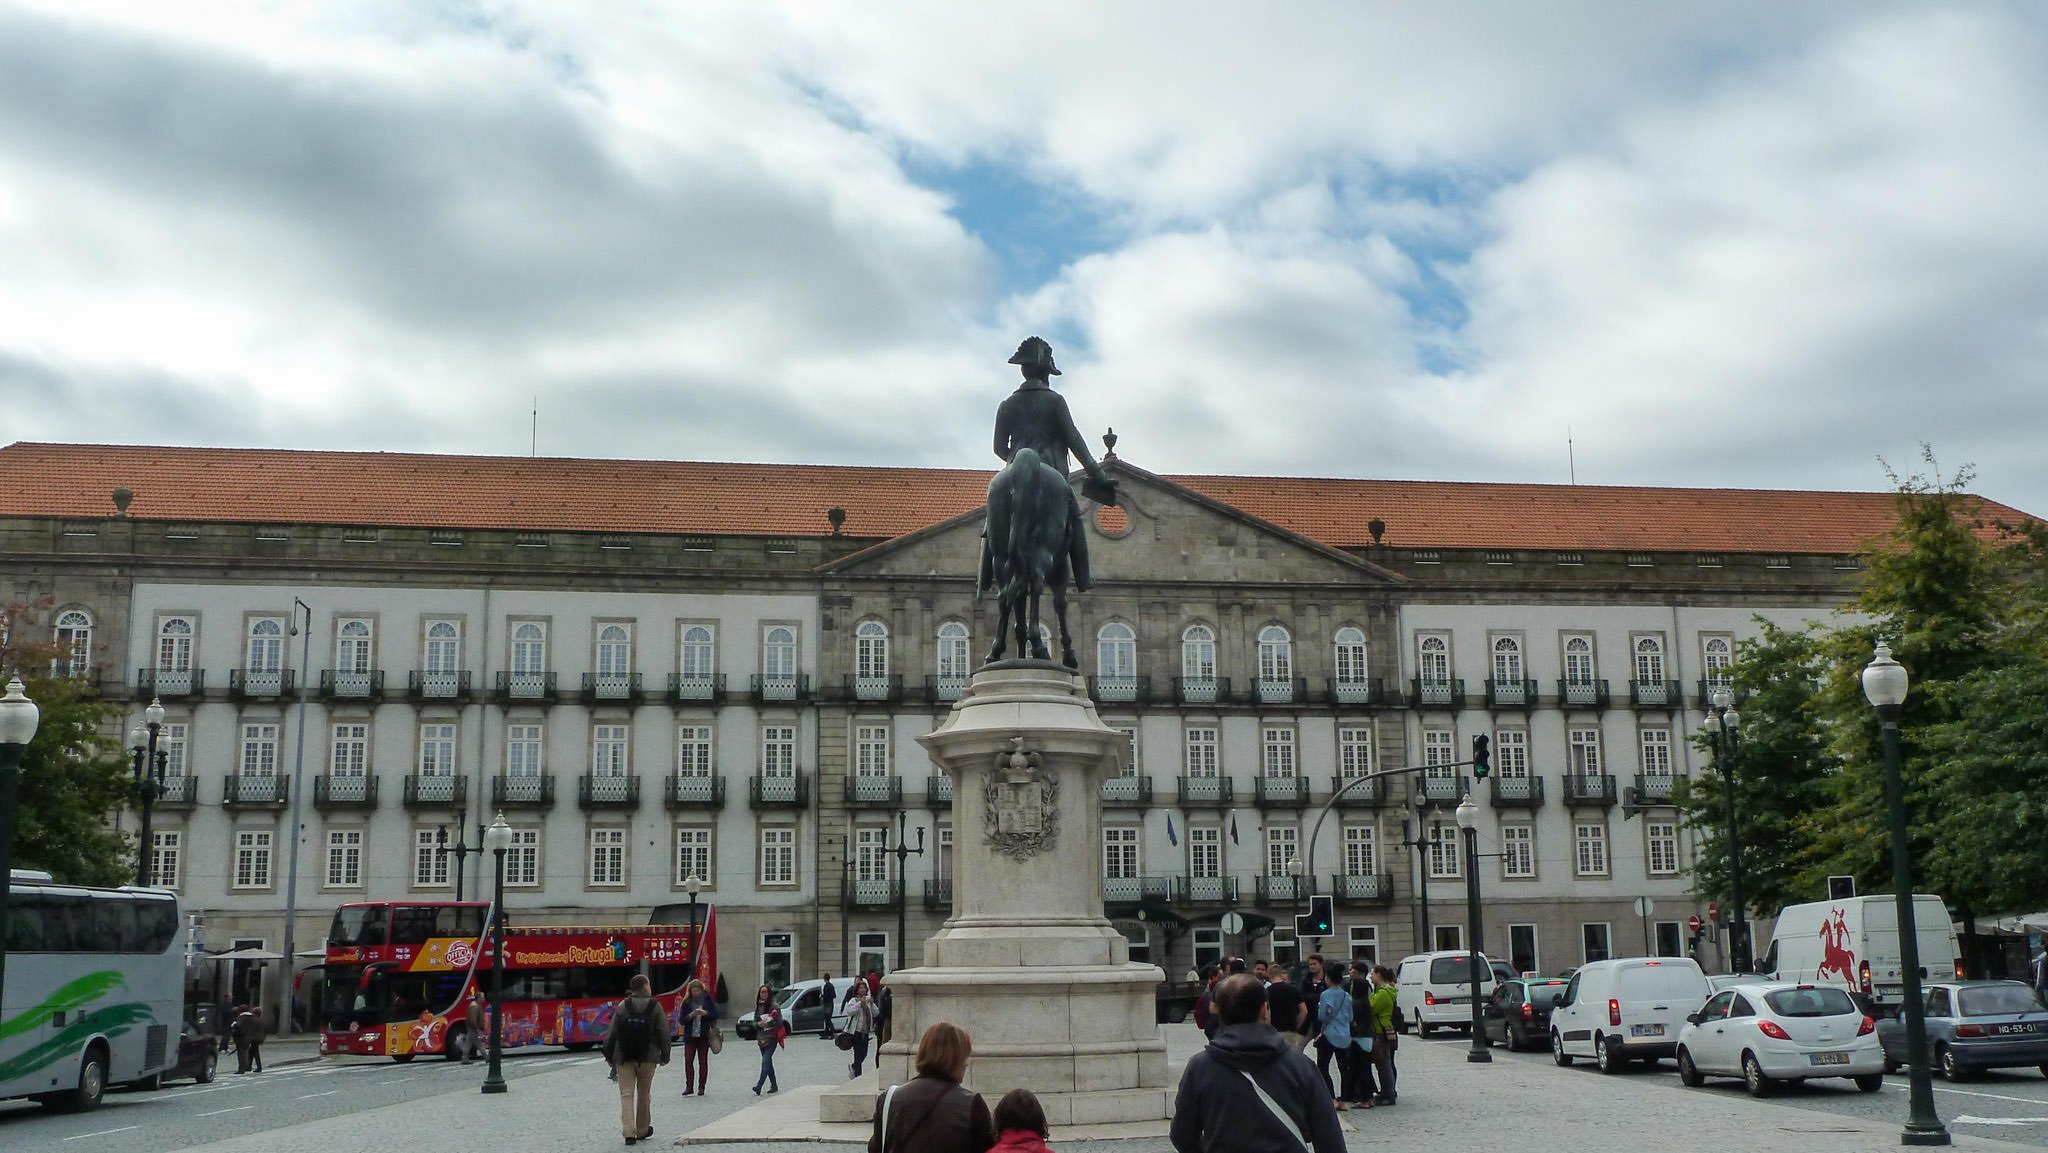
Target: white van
{"x": 1854, "y": 943}
{"x": 1626, "y": 1009}
{"x": 1433, "y": 989}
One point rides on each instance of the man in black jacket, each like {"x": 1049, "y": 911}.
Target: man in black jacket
{"x": 1248, "y": 1092}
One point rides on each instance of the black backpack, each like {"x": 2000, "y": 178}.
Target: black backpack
{"x": 634, "y": 1040}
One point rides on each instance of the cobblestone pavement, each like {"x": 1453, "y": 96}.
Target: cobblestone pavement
{"x": 1518, "y": 1100}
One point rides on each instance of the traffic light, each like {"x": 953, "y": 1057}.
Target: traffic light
{"x": 1315, "y": 922}
{"x": 1482, "y": 757}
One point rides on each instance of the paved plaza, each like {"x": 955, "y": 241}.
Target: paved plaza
{"x": 562, "y": 1101}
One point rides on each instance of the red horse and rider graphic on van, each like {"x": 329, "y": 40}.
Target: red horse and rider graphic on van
{"x": 1836, "y": 955}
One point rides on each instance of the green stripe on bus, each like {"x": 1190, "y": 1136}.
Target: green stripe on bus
{"x": 90, "y": 987}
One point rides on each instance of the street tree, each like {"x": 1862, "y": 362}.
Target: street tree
{"x": 74, "y": 775}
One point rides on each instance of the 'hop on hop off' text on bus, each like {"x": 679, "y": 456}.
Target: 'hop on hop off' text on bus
{"x": 94, "y": 990}
{"x": 399, "y": 977}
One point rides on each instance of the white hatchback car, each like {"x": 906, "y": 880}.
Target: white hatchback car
{"x": 1765, "y": 1033}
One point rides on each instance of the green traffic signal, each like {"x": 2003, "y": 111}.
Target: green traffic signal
{"x": 1482, "y": 757}
{"x": 1321, "y": 911}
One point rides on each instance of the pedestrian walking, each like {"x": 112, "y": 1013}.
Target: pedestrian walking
{"x": 2041, "y": 971}
{"x": 769, "y": 1032}
{"x": 1385, "y": 1040}
{"x": 1334, "y": 1012}
{"x": 636, "y": 1043}
{"x": 1020, "y": 1124}
{"x": 1247, "y": 1092}
{"x": 248, "y": 1035}
{"x": 476, "y": 1036}
{"x": 825, "y": 999}
{"x": 860, "y": 1022}
{"x": 699, "y": 1015}
{"x": 933, "y": 1112}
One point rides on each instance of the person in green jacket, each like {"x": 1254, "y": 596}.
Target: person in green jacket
{"x": 1383, "y": 1019}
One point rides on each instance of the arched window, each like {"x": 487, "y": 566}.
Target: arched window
{"x": 1198, "y": 653}
{"x": 1717, "y": 654}
{"x": 1350, "y": 664}
{"x": 174, "y": 645}
{"x": 1578, "y": 661}
{"x": 697, "y": 653}
{"x": 871, "y": 650}
{"x": 1650, "y": 660}
{"x": 1276, "y": 654}
{"x": 352, "y": 646}
{"x": 614, "y": 652}
{"x": 529, "y": 649}
{"x": 1507, "y": 660}
{"x": 444, "y": 649}
{"x": 1116, "y": 652}
{"x": 74, "y": 644}
{"x": 265, "y": 646}
{"x": 778, "y": 653}
{"x": 954, "y": 657}
{"x": 1433, "y": 660}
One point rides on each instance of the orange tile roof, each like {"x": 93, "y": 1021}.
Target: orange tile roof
{"x": 695, "y": 497}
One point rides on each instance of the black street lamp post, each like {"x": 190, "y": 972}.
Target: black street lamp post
{"x": 148, "y": 767}
{"x": 900, "y": 851}
{"x": 1885, "y": 684}
{"x": 1468, "y": 823}
{"x": 497, "y": 839}
{"x": 1723, "y": 724}
{"x": 460, "y": 848}
{"x": 691, "y": 885}
{"x": 18, "y": 719}
{"x": 1421, "y": 846}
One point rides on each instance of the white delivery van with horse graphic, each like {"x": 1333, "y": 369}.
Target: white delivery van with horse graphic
{"x": 1854, "y": 943}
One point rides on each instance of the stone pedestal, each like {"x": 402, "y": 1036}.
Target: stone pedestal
{"x": 1028, "y": 964}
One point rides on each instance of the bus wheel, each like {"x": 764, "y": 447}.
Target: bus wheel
{"x": 457, "y": 1045}
{"x": 92, "y": 1083}
{"x": 402, "y": 1058}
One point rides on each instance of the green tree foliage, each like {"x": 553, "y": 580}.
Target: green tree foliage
{"x": 1781, "y": 772}
{"x": 1938, "y": 589}
{"x": 74, "y": 775}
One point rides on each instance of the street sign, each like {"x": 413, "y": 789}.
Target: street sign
{"x": 1713, "y": 910}
{"x": 1645, "y": 906}
{"x": 1692, "y": 924}
{"x": 1233, "y": 923}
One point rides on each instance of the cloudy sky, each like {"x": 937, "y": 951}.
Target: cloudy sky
{"x": 1762, "y": 247}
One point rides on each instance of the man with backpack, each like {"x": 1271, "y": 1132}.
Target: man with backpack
{"x": 635, "y": 1043}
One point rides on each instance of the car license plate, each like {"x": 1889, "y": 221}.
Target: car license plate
{"x": 1828, "y": 1058}
{"x": 2017, "y": 1027}
{"x": 1457, "y": 1000}
{"x": 1646, "y": 1030}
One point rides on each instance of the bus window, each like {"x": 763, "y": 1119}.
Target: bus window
{"x": 609, "y": 983}
{"x": 27, "y": 929}
{"x": 361, "y": 925}
{"x": 459, "y": 921}
{"x": 413, "y": 924}
{"x": 668, "y": 978}
{"x": 113, "y": 925}
{"x": 156, "y": 922}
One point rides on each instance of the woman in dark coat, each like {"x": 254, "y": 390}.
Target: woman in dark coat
{"x": 933, "y": 1112}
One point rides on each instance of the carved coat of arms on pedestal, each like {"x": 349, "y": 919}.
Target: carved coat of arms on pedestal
{"x": 1020, "y": 803}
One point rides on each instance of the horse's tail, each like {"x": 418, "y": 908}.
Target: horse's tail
{"x": 1024, "y": 519}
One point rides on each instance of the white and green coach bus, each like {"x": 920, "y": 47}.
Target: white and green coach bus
{"x": 94, "y": 990}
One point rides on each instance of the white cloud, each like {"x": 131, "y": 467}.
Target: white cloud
{"x": 1757, "y": 251}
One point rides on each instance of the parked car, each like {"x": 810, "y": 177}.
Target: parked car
{"x": 197, "y": 1053}
{"x": 1854, "y": 942}
{"x": 1518, "y": 1013}
{"x": 1626, "y": 1009}
{"x": 1771, "y": 1032}
{"x": 1435, "y": 989}
{"x": 1973, "y": 1025}
{"x": 803, "y": 1010}
{"x": 1720, "y": 981}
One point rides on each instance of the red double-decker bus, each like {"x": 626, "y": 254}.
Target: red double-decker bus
{"x": 399, "y": 977}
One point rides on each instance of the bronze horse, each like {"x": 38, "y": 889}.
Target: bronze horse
{"x": 1024, "y": 551}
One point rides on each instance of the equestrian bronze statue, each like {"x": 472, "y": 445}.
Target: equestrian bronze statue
{"x": 1033, "y": 540}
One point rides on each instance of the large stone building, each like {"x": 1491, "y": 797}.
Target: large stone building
{"x": 660, "y": 671}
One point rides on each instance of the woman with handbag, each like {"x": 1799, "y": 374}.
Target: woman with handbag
{"x": 698, "y": 1014}
{"x": 860, "y": 1023}
{"x": 933, "y": 1112}
{"x": 769, "y": 1031}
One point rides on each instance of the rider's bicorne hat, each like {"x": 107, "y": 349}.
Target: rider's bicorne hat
{"x": 1036, "y": 352}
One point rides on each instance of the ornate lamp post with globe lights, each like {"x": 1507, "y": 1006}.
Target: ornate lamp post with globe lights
{"x": 149, "y": 765}
{"x": 1884, "y": 685}
{"x": 1723, "y": 724}
{"x": 497, "y": 839}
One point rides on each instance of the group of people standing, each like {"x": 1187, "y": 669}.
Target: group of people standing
{"x": 1255, "y": 1088}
